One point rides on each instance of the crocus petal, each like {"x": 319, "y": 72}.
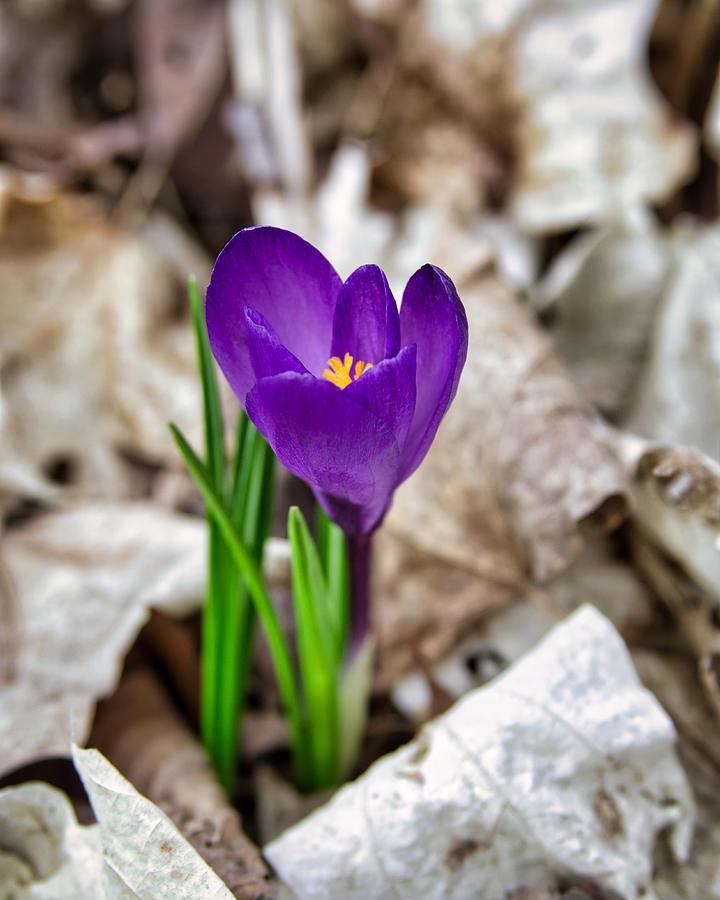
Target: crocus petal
{"x": 366, "y": 323}
{"x": 267, "y": 355}
{"x": 284, "y": 278}
{"x": 388, "y": 390}
{"x": 433, "y": 318}
{"x": 342, "y": 449}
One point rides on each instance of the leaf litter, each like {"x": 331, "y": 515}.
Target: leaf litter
{"x": 459, "y": 133}
{"x": 563, "y": 765}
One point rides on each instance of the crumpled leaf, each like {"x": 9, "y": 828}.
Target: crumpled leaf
{"x": 84, "y": 582}
{"x": 675, "y": 497}
{"x": 516, "y": 465}
{"x": 610, "y": 276}
{"x": 133, "y": 853}
{"x": 590, "y": 132}
{"x": 678, "y": 398}
{"x": 94, "y": 359}
{"x": 44, "y": 853}
{"x": 145, "y": 855}
{"x": 563, "y": 765}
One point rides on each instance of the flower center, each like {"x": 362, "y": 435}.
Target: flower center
{"x": 339, "y": 372}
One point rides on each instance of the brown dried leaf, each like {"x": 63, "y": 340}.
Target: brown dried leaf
{"x": 675, "y": 504}
{"x": 694, "y": 611}
{"x": 596, "y": 575}
{"x": 140, "y": 732}
{"x": 516, "y": 466}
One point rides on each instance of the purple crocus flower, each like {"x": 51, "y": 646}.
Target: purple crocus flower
{"x": 347, "y": 392}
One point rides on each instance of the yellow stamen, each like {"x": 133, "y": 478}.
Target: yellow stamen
{"x": 339, "y": 372}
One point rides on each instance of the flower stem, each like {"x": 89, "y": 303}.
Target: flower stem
{"x": 359, "y": 548}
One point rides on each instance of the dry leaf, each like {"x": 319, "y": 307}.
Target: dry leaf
{"x": 93, "y": 357}
{"x": 181, "y": 66}
{"x": 676, "y": 504}
{"x": 133, "y": 853}
{"x": 672, "y": 679}
{"x": 603, "y": 308}
{"x": 693, "y": 610}
{"x": 590, "y": 132}
{"x": 678, "y": 398}
{"x": 267, "y": 119}
{"x": 140, "y": 731}
{"x": 44, "y": 853}
{"x": 516, "y": 465}
{"x": 85, "y": 581}
{"x": 563, "y": 765}
{"x": 674, "y": 495}
{"x": 145, "y": 855}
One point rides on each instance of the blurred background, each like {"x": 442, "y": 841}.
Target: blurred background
{"x": 555, "y": 141}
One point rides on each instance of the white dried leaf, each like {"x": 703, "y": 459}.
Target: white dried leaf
{"x": 592, "y": 133}
{"x": 133, "y": 853}
{"x": 93, "y": 356}
{"x": 678, "y": 398}
{"x": 145, "y": 855}
{"x": 44, "y": 853}
{"x": 674, "y": 499}
{"x": 563, "y": 765}
{"x": 603, "y": 312}
{"x": 84, "y": 582}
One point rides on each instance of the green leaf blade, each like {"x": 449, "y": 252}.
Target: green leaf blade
{"x": 263, "y": 605}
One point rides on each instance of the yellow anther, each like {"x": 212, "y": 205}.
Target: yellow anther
{"x": 339, "y": 372}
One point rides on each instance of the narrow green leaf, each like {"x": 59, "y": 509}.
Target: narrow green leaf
{"x": 253, "y": 490}
{"x": 333, "y": 554}
{"x": 316, "y": 647}
{"x": 238, "y": 464}
{"x": 306, "y": 564}
{"x": 277, "y": 642}
{"x": 214, "y": 431}
{"x": 216, "y": 706}
{"x": 250, "y": 509}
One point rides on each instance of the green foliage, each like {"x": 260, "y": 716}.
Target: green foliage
{"x": 228, "y": 617}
